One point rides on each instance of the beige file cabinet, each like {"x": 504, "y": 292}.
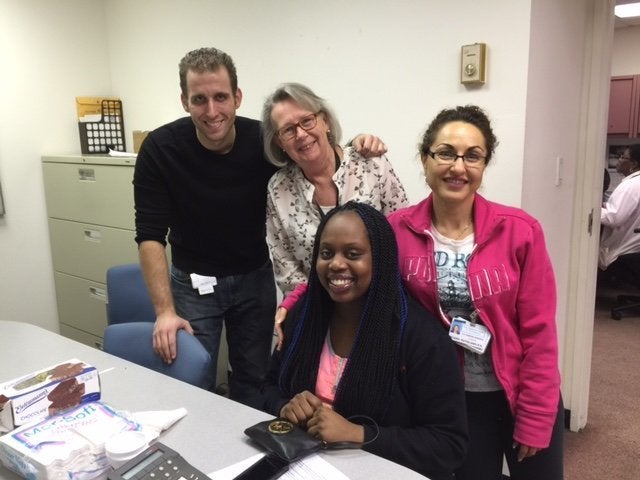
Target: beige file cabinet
{"x": 91, "y": 226}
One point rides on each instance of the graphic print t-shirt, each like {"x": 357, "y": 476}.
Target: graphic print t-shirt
{"x": 452, "y": 258}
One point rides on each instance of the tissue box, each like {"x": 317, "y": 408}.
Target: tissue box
{"x": 41, "y": 394}
{"x": 69, "y": 445}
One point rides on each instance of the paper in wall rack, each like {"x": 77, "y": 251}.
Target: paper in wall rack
{"x": 101, "y": 124}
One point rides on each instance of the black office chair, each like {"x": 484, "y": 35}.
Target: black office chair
{"x": 629, "y": 303}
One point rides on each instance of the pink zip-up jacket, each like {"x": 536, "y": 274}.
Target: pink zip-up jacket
{"x": 513, "y": 290}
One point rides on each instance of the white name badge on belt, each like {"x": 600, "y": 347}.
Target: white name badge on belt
{"x": 203, "y": 284}
{"x": 472, "y": 336}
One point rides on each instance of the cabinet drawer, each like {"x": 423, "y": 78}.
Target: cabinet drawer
{"x": 82, "y": 304}
{"x": 80, "y": 336}
{"x": 97, "y": 194}
{"x": 87, "y": 251}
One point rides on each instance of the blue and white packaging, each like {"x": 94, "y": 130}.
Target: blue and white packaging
{"x": 69, "y": 445}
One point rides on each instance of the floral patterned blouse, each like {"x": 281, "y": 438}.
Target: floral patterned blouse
{"x": 293, "y": 217}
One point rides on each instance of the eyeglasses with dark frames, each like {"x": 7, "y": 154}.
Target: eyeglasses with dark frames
{"x": 289, "y": 132}
{"x": 449, "y": 157}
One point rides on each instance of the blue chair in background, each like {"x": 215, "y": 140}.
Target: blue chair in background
{"x": 129, "y": 333}
{"x": 134, "y": 342}
{"x": 127, "y": 295}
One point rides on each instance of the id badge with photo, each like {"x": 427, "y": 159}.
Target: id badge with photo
{"x": 472, "y": 336}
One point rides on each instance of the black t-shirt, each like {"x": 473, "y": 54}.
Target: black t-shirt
{"x": 212, "y": 205}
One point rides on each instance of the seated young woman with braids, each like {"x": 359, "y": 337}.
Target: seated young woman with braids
{"x": 364, "y": 363}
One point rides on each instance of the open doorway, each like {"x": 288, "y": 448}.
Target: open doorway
{"x": 576, "y": 366}
{"x": 601, "y": 64}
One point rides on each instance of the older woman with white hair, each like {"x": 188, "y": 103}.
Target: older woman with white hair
{"x": 302, "y": 135}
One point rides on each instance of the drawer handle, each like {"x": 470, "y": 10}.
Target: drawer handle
{"x": 92, "y": 235}
{"x": 86, "y": 175}
{"x": 98, "y": 293}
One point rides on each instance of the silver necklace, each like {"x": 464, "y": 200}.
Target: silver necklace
{"x": 462, "y": 232}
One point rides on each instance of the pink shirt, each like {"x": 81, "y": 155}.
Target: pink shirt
{"x": 329, "y": 373}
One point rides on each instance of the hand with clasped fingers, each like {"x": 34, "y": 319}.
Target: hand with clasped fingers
{"x": 301, "y": 408}
{"x": 321, "y": 421}
{"x": 329, "y": 426}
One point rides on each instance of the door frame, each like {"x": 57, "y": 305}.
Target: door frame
{"x": 592, "y": 139}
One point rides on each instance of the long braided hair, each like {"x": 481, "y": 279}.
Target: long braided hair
{"x": 368, "y": 380}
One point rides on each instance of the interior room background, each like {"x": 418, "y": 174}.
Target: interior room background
{"x": 386, "y": 68}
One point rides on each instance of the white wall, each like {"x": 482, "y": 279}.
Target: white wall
{"x": 386, "y": 67}
{"x": 51, "y": 52}
{"x": 553, "y": 114}
{"x": 626, "y": 51}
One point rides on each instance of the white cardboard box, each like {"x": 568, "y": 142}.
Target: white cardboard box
{"x": 41, "y": 394}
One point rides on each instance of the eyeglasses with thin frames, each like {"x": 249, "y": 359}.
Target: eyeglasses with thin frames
{"x": 449, "y": 157}
{"x": 289, "y": 132}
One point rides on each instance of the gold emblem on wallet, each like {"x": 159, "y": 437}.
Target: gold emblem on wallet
{"x": 280, "y": 427}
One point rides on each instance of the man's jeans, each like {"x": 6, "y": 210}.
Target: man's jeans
{"x": 247, "y": 304}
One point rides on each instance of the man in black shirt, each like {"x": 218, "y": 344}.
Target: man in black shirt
{"x": 202, "y": 179}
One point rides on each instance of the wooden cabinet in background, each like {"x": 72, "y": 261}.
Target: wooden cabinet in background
{"x": 624, "y": 106}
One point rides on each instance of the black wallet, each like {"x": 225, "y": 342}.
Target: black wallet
{"x": 283, "y": 438}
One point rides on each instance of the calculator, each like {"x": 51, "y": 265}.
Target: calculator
{"x": 157, "y": 462}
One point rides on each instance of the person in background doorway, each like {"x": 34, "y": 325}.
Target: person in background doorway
{"x": 363, "y": 362}
{"x": 606, "y": 183}
{"x": 486, "y": 265}
{"x": 302, "y": 136}
{"x": 200, "y": 182}
{"x": 620, "y": 216}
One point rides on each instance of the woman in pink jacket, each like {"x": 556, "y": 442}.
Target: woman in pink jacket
{"x": 484, "y": 268}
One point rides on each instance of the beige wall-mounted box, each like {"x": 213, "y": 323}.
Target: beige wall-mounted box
{"x": 138, "y": 137}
